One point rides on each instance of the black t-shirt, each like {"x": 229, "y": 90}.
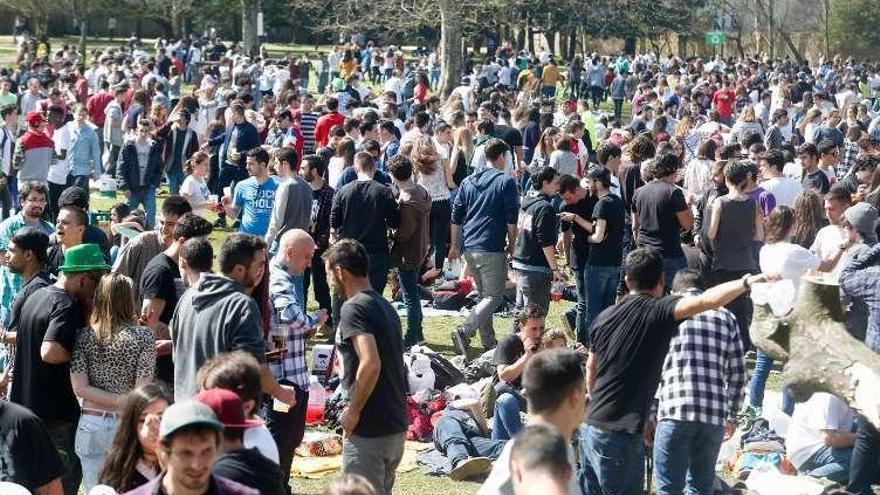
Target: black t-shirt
{"x": 368, "y": 313}
{"x": 509, "y": 135}
{"x": 610, "y": 251}
{"x": 41, "y": 279}
{"x": 161, "y": 280}
{"x": 364, "y": 210}
{"x": 507, "y": 352}
{"x": 656, "y": 203}
{"x": 630, "y": 341}
{"x": 580, "y": 244}
{"x": 27, "y": 453}
{"x": 48, "y": 315}
{"x": 816, "y": 180}
{"x": 54, "y": 260}
{"x": 251, "y": 468}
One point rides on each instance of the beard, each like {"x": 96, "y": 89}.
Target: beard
{"x": 336, "y": 284}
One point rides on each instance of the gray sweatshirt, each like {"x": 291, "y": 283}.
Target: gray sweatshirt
{"x": 212, "y": 317}
{"x": 292, "y": 210}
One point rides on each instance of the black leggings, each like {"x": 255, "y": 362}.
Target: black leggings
{"x": 441, "y": 218}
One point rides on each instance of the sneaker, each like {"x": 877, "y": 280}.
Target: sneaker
{"x": 460, "y": 341}
{"x": 220, "y": 223}
{"x": 470, "y": 467}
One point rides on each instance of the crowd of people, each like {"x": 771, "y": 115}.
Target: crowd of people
{"x": 135, "y": 363}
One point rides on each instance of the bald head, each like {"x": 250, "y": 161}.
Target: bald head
{"x": 297, "y": 248}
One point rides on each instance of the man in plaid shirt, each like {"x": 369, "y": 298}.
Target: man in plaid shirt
{"x": 702, "y": 386}
{"x": 291, "y": 325}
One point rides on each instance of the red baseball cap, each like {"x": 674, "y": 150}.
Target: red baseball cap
{"x": 34, "y": 118}
{"x": 228, "y": 408}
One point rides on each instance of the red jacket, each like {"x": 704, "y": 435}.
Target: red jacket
{"x": 96, "y": 106}
{"x": 325, "y": 123}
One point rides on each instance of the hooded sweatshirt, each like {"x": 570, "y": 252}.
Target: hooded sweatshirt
{"x": 410, "y": 243}
{"x": 537, "y": 229}
{"x": 485, "y": 204}
{"x": 212, "y": 317}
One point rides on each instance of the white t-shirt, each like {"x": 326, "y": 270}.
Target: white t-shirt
{"x": 822, "y": 412}
{"x": 828, "y": 241}
{"x": 58, "y": 170}
{"x": 334, "y": 170}
{"x": 498, "y": 482}
{"x": 790, "y": 261}
{"x": 196, "y": 192}
{"x": 260, "y": 438}
{"x": 784, "y": 189}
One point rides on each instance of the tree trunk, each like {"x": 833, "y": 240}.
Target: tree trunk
{"x": 682, "y": 46}
{"x": 177, "y": 20}
{"x": 83, "y": 33}
{"x": 821, "y": 355}
{"x": 786, "y": 37}
{"x": 572, "y": 43}
{"x": 450, "y": 41}
{"x": 249, "y": 39}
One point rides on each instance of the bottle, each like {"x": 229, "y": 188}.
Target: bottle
{"x": 317, "y": 397}
{"x": 556, "y": 291}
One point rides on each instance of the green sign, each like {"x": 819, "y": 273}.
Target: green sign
{"x": 716, "y": 37}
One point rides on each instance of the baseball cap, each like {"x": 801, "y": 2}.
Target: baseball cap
{"x": 227, "y": 406}
{"x": 34, "y": 118}
{"x": 187, "y": 413}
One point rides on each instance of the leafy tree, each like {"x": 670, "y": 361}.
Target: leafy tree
{"x": 853, "y": 27}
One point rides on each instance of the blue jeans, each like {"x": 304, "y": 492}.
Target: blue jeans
{"x": 507, "y": 421}
{"x": 829, "y": 462}
{"x": 175, "y": 179}
{"x": 580, "y": 309}
{"x": 601, "y": 289}
{"x": 763, "y": 365}
{"x": 549, "y": 91}
{"x": 145, "y": 196}
{"x": 671, "y": 266}
{"x": 685, "y": 450}
{"x": 409, "y": 282}
{"x": 864, "y": 468}
{"x": 458, "y": 438}
{"x": 613, "y": 463}
{"x": 378, "y": 272}
{"x": 94, "y": 434}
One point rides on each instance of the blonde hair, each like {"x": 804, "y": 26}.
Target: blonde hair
{"x": 747, "y": 114}
{"x": 463, "y": 140}
{"x": 424, "y": 156}
{"x": 553, "y": 334}
{"x": 114, "y": 306}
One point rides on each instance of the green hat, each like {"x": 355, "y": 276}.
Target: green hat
{"x": 84, "y": 258}
{"x": 338, "y": 84}
{"x": 187, "y": 413}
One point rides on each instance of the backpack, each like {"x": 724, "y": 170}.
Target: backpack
{"x": 445, "y": 373}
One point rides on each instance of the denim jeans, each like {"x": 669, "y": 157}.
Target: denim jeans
{"x": 175, "y": 180}
{"x": 287, "y": 428}
{"x": 490, "y": 273}
{"x": 145, "y": 196}
{"x": 459, "y": 439}
{"x": 441, "y": 213}
{"x": 601, "y": 290}
{"x": 580, "y": 308}
{"x": 613, "y": 463}
{"x": 409, "y": 282}
{"x": 763, "y": 365}
{"x": 318, "y": 273}
{"x": 378, "y": 274}
{"x": 94, "y": 434}
{"x": 671, "y": 266}
{"x": 618, "y": 109}
{"x": 532, "y": 288}
{"x": 63, "y": 434}
{"x": 549, "y": 92}
{"x": 829, "y": 462}
{"x": 864, "y": 467}
{"x": 686, "y": 450}
{"x": 507, "y": 422}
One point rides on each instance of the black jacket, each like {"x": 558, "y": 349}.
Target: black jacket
{"x": 128, "y": 170}
{"x": 537, "y": 229}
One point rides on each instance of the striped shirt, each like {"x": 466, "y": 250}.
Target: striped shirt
{"x": 308, "y": 120}
{"x": 704, "y": 374}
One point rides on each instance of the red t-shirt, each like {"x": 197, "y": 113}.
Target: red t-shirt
{"x": 723, "y": 102}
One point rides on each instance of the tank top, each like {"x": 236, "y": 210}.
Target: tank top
{"x": 733, "y": 243}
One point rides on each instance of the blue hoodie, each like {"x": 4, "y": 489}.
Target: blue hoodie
{"x": 485, "y": 204}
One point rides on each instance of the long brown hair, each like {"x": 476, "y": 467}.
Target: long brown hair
{"x": 779, "y": 224}
{"x": 114, "y": 306}
{"x": 125, "y": 451}
{"x": 424, "y": 156}
{"x": 809, "y": 217}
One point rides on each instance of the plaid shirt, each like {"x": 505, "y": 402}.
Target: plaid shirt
{"x": 704, "y": 374}
{"x": 319, "y": 221}
{"x": 287, "y": 314}
{"x": 850, "y": 151}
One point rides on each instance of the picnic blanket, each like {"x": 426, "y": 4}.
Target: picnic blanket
{"x": 318, "y": 467}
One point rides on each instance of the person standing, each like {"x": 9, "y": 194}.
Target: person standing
{"x": 312, "y": 170}
{"x": 34, "y": 151}
{"x": 253, "y": 198}
{"x": 660, "y": 213}
{"x": 113, "y": 134}
{"x": 290, "y": 325}
{"x": 410, "y": 243}
{"x": 29, "y": 456}
{"x": 629, "y": 344}
{"x": 577, "y": 209}
{"x": 83, "y": 149}
{"x": 364, "y": 210}
{"x": 293, "y": 200}
{"x": 235, "y": 143}
{"x": 50, "y": 320}
{"x": 534, "y": 259}
{"x": 8, "y": 183}
{"x": 374, "y": 420}
{"x": 328, "y": 121}
{"x": 784, "y": 189}
{"x": 111, "y": 357}
{"x": 811, "y": 176}
{"x": 831, "y": 237}
{"x": 484, "y": 217}
{"x": 139, "y": 171}
{"x": 701, "y": 391}
{"x": 179, "y": 144}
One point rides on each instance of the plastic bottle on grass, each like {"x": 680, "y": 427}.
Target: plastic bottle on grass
{"x": 317, "y": 397}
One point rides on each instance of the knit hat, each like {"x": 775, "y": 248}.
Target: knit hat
{"x": 862, "y": 217}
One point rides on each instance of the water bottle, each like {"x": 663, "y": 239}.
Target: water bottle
{"x": 317, "y": 397}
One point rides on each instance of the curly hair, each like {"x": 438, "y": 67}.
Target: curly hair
{"x": 809, "y": 217}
